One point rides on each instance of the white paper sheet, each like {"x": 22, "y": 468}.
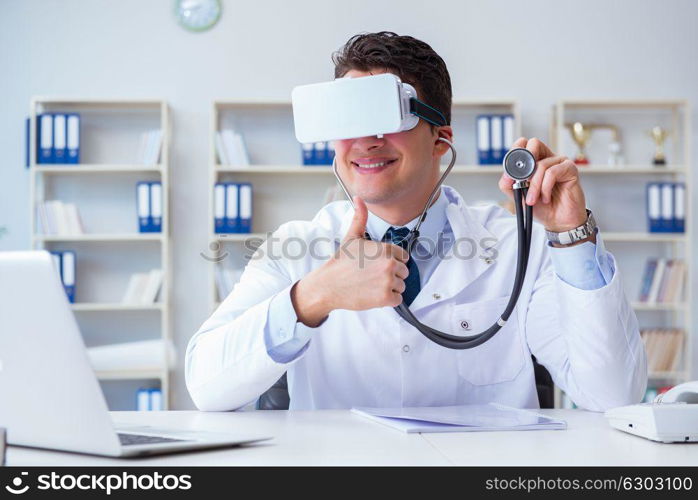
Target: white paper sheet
{"x": 466, "y": 418}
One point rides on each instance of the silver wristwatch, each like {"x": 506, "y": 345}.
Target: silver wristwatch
{"x": 573, "y": 235}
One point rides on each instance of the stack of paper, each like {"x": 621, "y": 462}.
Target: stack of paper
{"x": 467, "y": 418}
{"x": 59, "y": 219}
{"x": 141, "y": 355}
{"x": 231, "y": 149}
{"x": 143, "y": 288}
{"x": 149, "y": 148}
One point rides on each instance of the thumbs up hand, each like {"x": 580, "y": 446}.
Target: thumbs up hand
{"x": 363, "y": 274}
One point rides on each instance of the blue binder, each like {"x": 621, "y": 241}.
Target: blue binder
{"x": 27, "y": 146}
{"x": 59, "y": 138}
{"x": 245, "y": 208}
{"x": 497, "y": 138}
{"x": 142, "y": 400}
{"x": 155, "y": 220}
{"x": 143, "y": 207}
{"x": 679, "y": 207}
{"x": 232, "y": 208}
{"x": 307, "y": 153}
{"x": 219, "y": 208}
{"x": 508, "y": 131}
{"x": 68, "y": 274}
{"x": 484, "y": 152}
{"x": 654, "y": 204}
{"x": 667, "y": 211}
{"x": 72, "y": 138}
{"x": 44, "y": 138}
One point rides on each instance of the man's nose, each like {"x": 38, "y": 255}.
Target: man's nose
{"x": 369, "y": 142}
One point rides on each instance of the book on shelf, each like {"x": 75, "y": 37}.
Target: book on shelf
{"x": 57, "y": 218}
{"x": 149, "y": 205}
{"x": 663, "y": 347}
{"x": 226, "y": 279}
{"x": 666, "y": 207}
{"x": 149, "y": 147}
{"x": 143, "y": 288}
{"x": 58, "y": 138}
{"x": 231, "y": 149}
{"x": 142, "y": 355}
{"x": 494, "y": 135}
{"x": 663, "y": 281}
{"x": 317, "y": 153}
{"x": 149, "y": 399}
{"x": 64, "y": 263}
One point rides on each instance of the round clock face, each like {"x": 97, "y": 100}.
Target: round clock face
{"x": 198, "y": 15}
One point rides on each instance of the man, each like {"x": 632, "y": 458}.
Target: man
{"x": 325, "y": 317}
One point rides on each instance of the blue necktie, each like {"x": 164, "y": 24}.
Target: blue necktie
{"x": 397, "y": 236}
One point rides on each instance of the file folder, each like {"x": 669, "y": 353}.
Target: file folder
{"x": 142, "y": 400}
{"x": 155, "y": 399}
{"x": 679, "y": 207}
{"x": 73, "y": 138}
{"x": 143, "y": 206}
{"x": 219, "y": 208}
{"x": 59, "y": 139}
{"x": 45, "y": 153}
{"x": 245, "y": 225}
{"x": 508, "y": 134}
{"x": 307, "y": 153}
{"x": 667, "y": 204}
{"x": 496, "y": 139}
{"x": 155, "y": 207}
{"x": 232, "y": 208}
{"x": 320, "y": 153}
{"x": 653, "y": 207}
{"x": 483, "y": 140}
{"x": 68, "y": 274}
{"x": 27, "y": 142}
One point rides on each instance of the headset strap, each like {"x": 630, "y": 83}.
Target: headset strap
{"x": 427, "y": 113}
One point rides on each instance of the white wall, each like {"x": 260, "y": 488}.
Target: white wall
{"x": 536, "y": 51}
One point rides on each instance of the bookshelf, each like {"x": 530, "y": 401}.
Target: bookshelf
{"x": 617, "y": 194}
{"x": 284, "y": 189}
{"x": 103, "y": 186}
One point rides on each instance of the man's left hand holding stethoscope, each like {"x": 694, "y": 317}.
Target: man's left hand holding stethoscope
{"x": 554, "y": 190}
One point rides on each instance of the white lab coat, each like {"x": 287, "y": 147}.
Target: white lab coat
{"x": 587, "y": 339}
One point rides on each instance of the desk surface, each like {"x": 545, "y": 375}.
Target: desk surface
{"x": 338, "y": 437}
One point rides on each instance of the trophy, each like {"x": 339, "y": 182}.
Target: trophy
{"x": 581, "y": 134}
{"x": 659, "y": 135}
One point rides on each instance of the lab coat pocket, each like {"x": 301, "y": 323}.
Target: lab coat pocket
{"x": 501, "y": 358}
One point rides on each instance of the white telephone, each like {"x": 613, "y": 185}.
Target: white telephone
{"x": 672, "y": 416}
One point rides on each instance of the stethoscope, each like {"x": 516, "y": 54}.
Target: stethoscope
{"x": 520, "y": 165}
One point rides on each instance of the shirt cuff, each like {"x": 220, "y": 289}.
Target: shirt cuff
{"x": 586, "y": 266}
{"x": 285, "y": 338}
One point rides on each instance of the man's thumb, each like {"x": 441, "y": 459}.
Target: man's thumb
{"x": 358, "y": 223}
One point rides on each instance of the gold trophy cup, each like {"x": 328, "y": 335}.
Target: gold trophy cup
{"x": 581, "y": 135}
{"x": 659, "y": 135}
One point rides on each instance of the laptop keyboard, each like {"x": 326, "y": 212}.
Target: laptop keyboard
{"x": 131, "y": 439}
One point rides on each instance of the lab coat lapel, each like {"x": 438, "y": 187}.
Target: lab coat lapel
{"x": 465, "y": 261}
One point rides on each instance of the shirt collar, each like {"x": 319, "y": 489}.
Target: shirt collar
{"x": 434, "y": 223}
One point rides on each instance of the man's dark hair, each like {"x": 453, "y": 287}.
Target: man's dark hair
{"x": 414, "y": 61}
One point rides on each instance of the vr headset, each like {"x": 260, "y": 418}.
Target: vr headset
{"x": 347, "y": 108}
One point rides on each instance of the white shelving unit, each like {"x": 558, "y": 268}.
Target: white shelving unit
{"x": 618, "y": 199}
{"x": 284, "y": 190}
{"x": 110, "y": 131}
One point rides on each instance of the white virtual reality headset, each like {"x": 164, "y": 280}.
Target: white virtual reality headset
{"x": 347, "y": 108}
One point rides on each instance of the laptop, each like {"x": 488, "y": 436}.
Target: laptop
{"x": 49, "y": 394}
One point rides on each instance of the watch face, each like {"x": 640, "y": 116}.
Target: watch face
{"x": 198, "y": 15}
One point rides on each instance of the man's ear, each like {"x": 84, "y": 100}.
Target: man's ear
{"x": 440, "y": 147}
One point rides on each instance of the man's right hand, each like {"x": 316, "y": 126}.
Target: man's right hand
{"x": 363, "y": 274}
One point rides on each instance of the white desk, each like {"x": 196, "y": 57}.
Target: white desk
{"x": 338, "y": 437}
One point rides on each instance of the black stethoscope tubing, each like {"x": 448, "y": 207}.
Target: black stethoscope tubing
{"x": 524, "y": 224}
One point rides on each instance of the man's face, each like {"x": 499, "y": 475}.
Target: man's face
{"x": 397, "y": 168}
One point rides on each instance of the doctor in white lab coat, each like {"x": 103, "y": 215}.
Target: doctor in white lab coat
{"x": 316, "y": 300}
